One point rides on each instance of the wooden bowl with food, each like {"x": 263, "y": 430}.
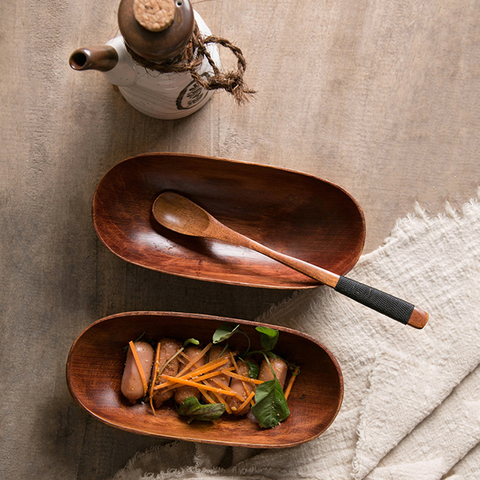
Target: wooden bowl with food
{"x": 291, "y": 212}
{"x": 242, "y": 383}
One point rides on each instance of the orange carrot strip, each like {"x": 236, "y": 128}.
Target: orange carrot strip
{"x": 205, "y": 368}
{"x": 139, "y": 366}
{"x": 217, "y": 396}
{"x": 162, "y": 385}
{"x": 242, "y": 378}
{"x": 171, "y": 385}
{"x": 233, "y": 393}
{"x": 199, "y": 371}
{"x": 154, "y": 376}
{"x": 222, "y": 400}
{"x": 237, "y": 370}
{"x": 195, "y": 360}
{"x": 247, "y": 400}
{"x": 185, "y": 357}
{"x": 207, "y": 397}
{"x": 291, "y": 382}
{"x": 200, "y": 378}
{"x": 182, "y": 381}
{"x": 234, "y": 363}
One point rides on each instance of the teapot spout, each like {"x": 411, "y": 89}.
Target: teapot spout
{"x": 102, "y": 58}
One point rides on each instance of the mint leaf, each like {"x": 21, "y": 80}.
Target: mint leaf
{"x": 224, "y": 332}
{"x": 268, "y": 337}
{"x": 270, "y": 405}
{"x": 253, "y": 369}
{"x": 192, "y": 408}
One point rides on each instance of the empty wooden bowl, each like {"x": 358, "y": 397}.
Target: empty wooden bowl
{"x": 297, "y": 214}
{"x": 96, "y": 361}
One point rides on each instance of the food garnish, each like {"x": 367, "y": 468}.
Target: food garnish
{"x": 217, "y": 380}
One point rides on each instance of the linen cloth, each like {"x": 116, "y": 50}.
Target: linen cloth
{"x": 411, "y": 407}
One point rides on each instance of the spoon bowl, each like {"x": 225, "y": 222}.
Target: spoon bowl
{"x": 96, "y": 361}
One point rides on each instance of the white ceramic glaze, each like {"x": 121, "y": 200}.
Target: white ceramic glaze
{"x": 166, "y": 96}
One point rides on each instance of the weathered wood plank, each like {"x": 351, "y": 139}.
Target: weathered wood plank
{"x": 379, "y": 97}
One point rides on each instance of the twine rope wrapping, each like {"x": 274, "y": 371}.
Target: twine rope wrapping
{"x": 191, "y": 59}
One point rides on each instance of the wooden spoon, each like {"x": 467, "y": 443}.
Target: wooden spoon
{"x": 181, "y": 215}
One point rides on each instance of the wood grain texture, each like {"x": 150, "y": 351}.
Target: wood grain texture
{"x": 381, "y": 98}
{"x": 297, "y": 214}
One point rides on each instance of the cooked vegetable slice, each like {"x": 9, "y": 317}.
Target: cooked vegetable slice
{"x": 247, "y": 401}
{"x": 291, "y": 382}
{"x": 154, "y": 375}
{"x": 241, "y": 377}
{"x": 200, "y": 386}
{"x": 194, "y": 360}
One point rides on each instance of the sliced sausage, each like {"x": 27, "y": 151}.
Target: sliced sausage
{"x": 132, "y": 386}
{"x": 221, "y": 380}
{"x": 183, "y": 392}
{"x": 242, "y": 388}
{"x": 279, "y": 367}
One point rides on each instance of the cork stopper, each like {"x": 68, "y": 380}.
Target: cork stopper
{"x": 156, "y": 30}
{"x": 154, "y": 15}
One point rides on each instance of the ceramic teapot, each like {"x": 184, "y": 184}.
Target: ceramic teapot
{"x": 169, "y": 95}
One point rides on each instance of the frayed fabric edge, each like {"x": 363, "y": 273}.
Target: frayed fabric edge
{"x": 424, "y": 221}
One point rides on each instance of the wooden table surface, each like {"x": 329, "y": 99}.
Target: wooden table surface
{"x": 381, "y": 98}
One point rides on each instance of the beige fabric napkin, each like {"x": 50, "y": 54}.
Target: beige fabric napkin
{"x": 412, "y": 397}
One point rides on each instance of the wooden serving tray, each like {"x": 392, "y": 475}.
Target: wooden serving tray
{"x": 96, "y": 361}
{"x": 297, "y": 214}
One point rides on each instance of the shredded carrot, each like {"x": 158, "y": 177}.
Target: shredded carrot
{"x": 195, "y": 360}
{"x": 200, "y": 386}
{"x": 222, "y": 385}
{"x": 194, "y": 373}
{"x": 242, "y": 378}
{"x": 216, "y": 373}
{"x": 185, "y": 358}
{"x": 206, "y": 368}
{"x": 172, "y": 385}
{"x": 246, "y": 389}
{"x": 207, "y": 397}
{"x": 154, "y": 376}
{"x": 247, "y": 400}
{"x": 222, "y": 400}
{"x": 291, "y": 382}
{"x": 139, "y": 367}
{"x": 232, "y": 358}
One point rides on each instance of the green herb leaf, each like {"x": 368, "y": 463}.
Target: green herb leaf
{"x": 192, "y": 408}
{"x": 270, "y": 405}
{"x": 253, "y": 369}
{"x": 224, "y": 332}
{"x": 268, "y": 337}
{"x": 194, "y": 341}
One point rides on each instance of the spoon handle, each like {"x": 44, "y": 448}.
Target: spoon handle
{"x": 382, "y": 302}
{"x": 377, "y": 300}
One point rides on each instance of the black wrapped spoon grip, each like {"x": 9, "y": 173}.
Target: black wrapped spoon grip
{"x": 382, "y": 302}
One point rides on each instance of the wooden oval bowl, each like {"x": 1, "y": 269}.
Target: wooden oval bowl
{"x": 297, "y": 214}
{"x": 95, "y": 366}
